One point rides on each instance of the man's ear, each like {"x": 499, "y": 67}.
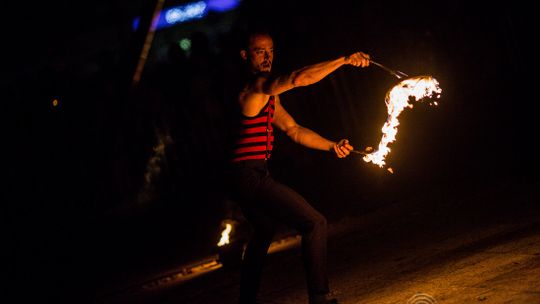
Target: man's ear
{"x": 243, "y": 54}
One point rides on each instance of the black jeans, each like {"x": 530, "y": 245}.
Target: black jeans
{"x": 265, "y": 201}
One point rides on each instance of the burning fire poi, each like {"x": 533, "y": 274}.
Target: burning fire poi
{"x": 397, "y": 99}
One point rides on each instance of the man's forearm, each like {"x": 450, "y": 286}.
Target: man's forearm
{"x": 308, "y": 75}
{"x": 309, "y": 138}
{"x": 314, "y": 73}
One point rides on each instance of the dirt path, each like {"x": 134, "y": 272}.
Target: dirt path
{"x": 478, "y": 246}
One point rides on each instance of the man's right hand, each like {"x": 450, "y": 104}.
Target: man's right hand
{"x": 359, "y": 59}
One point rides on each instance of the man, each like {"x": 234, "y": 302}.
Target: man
{"x": 263, "y": 200}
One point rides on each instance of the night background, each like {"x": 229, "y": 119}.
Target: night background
{"x": 108, "y": 179}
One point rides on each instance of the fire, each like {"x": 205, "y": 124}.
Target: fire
{"x": 225, "y": 235}
{"x": 397, "y": 99}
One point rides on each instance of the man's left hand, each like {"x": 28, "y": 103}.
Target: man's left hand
{"x": 343, "y": 148}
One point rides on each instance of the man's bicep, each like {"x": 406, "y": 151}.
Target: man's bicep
{"x": 275, "y": 85}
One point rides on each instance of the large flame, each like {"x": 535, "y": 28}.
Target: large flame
{"x": 397, "y": 99}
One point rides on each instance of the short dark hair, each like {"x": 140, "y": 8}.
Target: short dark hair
{"x": 251, "y": 32}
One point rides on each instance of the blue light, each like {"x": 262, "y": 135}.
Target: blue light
{"x": 136, "y": 22}
{"x": 222, "y": 5}
{"x": 184, "y": 13}
{"x": 188, "y": 12}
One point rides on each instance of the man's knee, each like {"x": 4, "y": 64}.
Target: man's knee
{"x": 321, "y": 222}
{"x": 316, "y": 222}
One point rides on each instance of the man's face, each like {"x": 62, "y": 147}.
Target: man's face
{"x": 260, "y": 53}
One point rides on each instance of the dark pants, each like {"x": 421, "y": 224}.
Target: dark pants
{"x": 264, "y": 202}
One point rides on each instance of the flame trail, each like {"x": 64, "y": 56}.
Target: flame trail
{"x": 397, "y": 99}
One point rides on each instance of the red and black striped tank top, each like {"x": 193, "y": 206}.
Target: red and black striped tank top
{"x": 255, "y": 138}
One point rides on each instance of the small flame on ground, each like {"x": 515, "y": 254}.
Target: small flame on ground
{"x": 225, "y": 235}
{"x": 397, "y": 99}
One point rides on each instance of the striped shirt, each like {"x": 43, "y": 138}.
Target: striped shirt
{"x": 255, "y": 138}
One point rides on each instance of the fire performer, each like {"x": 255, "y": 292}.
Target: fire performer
{"x": 263, "y": 200}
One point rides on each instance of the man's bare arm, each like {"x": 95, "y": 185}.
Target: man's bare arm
{"x": 307, "y": 75}
{"x": 306, "y": 137}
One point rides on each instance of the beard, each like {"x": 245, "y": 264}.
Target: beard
{"x": 266, "y": 66}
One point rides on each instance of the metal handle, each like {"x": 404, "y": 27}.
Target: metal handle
{"x": 359, "y": 152}
{"x": 397, "y": 74}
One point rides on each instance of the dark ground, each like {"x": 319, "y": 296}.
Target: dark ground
{"x": 479, "y": 243}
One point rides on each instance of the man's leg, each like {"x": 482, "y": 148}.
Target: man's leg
{"x": 255, "y": 255}
{"x": 286, "y": 205}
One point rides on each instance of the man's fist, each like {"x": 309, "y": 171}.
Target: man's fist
{"x": 343, "y": 148}
{"x": 360, "y": 59}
